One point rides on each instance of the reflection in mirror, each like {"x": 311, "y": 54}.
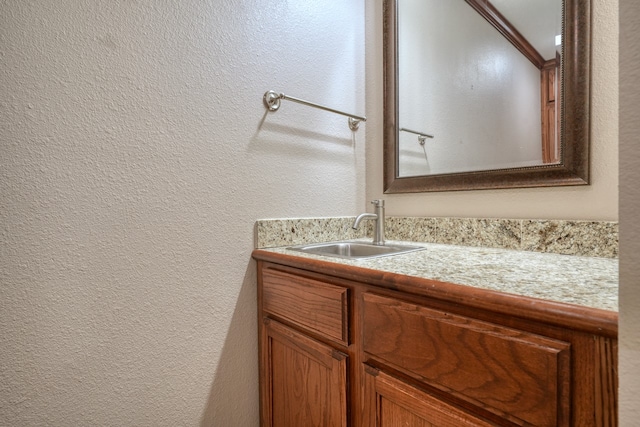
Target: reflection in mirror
{"x": 474, "y": 94}
{"x": 464, "y": 82}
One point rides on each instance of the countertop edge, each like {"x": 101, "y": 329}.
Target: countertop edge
{"x": 586, "y": 319}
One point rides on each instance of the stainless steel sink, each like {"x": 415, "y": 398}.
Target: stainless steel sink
{"x": 354, "y": 249}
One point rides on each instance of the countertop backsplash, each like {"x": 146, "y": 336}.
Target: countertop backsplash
{"x": 581, "y": 238}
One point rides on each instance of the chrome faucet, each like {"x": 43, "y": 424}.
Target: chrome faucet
{"x": 378, "y": 231}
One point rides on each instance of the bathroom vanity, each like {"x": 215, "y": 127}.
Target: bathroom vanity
{"x": 401, "y": 341}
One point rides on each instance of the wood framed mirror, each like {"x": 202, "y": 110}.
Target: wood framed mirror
{"x": 570, "y": 166}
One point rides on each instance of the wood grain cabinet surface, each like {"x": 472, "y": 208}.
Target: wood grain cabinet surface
{"x": 345, "y": 346}
{"x": 307, "y": 380}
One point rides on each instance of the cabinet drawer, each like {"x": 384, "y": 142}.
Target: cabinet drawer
{"x": 518, "y": 375}
{"x": 309, "y": 303}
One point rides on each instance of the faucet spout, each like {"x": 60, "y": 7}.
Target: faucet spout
{"x": 360, "y": 217}
{"x": 378, "y": 231}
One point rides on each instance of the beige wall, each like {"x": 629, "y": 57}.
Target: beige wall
{"x": 135, "y": 157}
{"x": 598, "y": 201}
{"x": 629, "y": 212}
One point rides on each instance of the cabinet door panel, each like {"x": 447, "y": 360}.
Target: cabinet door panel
{"x": 392, "y": 403}
{"x": 307, "y": 380}
{"x": 518, "y": 375}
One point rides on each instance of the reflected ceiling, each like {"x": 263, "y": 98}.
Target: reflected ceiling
{"x": 535, "y": 20}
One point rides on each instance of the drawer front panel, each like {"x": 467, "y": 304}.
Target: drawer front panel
{"x": 311, "y": 304}
{"x": 521, "y": 376}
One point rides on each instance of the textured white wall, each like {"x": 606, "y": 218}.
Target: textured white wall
{"x": 598, "y": 201}
{"x": 135, "y": 157}
{"x": 629, "y": 209}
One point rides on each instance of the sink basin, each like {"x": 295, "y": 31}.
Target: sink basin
{"x": 354, "y": 250}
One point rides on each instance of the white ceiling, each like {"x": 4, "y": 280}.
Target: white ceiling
{"x": 539, "y": 21}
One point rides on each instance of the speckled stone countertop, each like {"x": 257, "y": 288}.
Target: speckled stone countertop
{"x": 585, "y": 281}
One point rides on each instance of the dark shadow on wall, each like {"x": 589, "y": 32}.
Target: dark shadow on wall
{"x": 233, "y": 398}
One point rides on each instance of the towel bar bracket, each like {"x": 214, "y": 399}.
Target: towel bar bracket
{"x": 354, "y": 124}
{"x": 271, "y": 100}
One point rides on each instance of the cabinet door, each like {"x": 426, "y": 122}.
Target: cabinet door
{"x": 390, "y": 402}
{"x": 304, "y": 382}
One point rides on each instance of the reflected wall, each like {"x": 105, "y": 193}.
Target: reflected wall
{"x": 467, "y": 85}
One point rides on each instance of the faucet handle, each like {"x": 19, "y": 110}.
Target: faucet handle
{"x": 378, "y": 202}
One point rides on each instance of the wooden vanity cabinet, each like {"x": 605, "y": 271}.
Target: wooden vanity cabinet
{"x": 346, "y": 346}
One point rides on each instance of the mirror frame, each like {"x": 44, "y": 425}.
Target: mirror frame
{"x": 573, "y": 168}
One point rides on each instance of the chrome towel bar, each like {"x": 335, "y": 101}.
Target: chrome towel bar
{"x": 272, "y": 102}
{"x": 421, "y": 135}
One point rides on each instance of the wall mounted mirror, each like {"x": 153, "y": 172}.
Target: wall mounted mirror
{"x": 485, "y": 94}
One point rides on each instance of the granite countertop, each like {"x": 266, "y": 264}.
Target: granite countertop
{"x": 585, "y": 281}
